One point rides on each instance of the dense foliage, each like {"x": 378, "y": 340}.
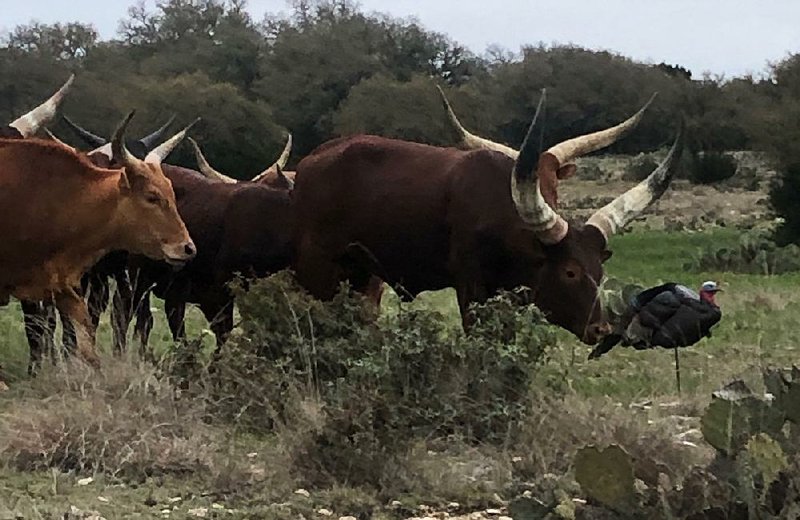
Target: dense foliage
{"x": 328, "y": 68}
{"x": 352, "y": 392}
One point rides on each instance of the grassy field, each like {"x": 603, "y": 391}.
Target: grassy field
{"x": 761, "y": 317}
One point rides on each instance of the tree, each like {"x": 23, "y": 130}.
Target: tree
{"x": 779, "y": 133}
{"x": 69, "y": 41}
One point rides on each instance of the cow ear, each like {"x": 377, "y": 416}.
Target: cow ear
{"x": 124, "y": 181}
{"x": 567, "y": 171}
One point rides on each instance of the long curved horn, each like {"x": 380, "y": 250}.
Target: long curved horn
{"x": 164, "y": 149}
{"x": 87, "y": 137}
{"x": 549, "y": 226}
{"x": 469, "y": 140}
{"x": 615, "y": 215}
{"x": 58, "y": 141}
{"x": 287, "y": 182}
{"x": 117, "y": 148}
{"x": 571, "y": 149}
{"x": 151, "y": 141}
{"x": 206, "y": 168}
{"x": 278, "y": 165}
{"x": 30, "y": 123}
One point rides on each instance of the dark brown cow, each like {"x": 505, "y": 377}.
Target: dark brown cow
{"x": 59, "y": 214}
{"x": 239, "y": 228}
{"x": 440, "y": 217}
{"x": 276, "y": 177}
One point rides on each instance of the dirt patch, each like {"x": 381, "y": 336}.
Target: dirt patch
{"x": 685, "y": 205}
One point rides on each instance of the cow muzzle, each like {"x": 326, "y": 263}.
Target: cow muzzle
{"x": 177, "y": 255}
{"x": 595, "y": 332}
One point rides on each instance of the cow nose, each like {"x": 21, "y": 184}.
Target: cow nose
{"x": 597, "y": 331}
{"x": 189, "y": 249}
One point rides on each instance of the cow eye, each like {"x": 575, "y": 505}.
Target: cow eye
{"x": 571, "y": 274}
{"x": 153, "y": 198}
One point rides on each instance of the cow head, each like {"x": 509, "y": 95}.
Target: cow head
{"x": 147, "y": 204}
{"x": 274, "y": 176}
{"x": 30, "y": 123}
{"x": 566, "y": 266}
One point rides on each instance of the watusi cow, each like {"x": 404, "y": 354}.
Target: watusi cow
{"x": 474, "y": 220}
{"x": 59, "y": 214}
{"x": 29, "y": 124}
{"x": 138, "y": 147}
{"x": 238, "y": 227}
{"x": 558, "y": 161}
{"x": 275, "y": 176}
{"x": 668, "y": 316}
{"x": 40, "y": 317}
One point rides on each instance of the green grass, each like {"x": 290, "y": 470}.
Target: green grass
{"x": 761, "y": 319}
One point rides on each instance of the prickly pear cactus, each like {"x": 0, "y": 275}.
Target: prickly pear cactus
{"x": 784, "y": 386}
{"x": 606, "y": 476}
{"x": 766, "y": 457}
{"x": 735, "y": 415}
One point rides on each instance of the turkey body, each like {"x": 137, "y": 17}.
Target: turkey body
{"x": 668, "y": 316}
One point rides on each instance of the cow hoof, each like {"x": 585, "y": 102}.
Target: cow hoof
{"x": 3, "y": 387}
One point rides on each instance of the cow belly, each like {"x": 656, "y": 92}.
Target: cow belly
{"x": 35, "y": 279}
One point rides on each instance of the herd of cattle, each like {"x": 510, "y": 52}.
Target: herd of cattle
{"x": 365, "y": 209}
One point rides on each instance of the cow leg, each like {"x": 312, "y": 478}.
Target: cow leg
{"x": 69, "y": 339}
{"x": 315, "y": 271}
{"x": 39, "y": 321}
{"x": 98, "y": 293}
{"x": 140, "y": 305}
{"x": 121, "y": 311}
{"x": 73, "y": 306}
{"x": 218, "y": 310}
{"x": 374, "y": 291}
{"x": 467, "y": 293}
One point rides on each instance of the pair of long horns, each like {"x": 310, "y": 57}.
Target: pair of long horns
{"x": 148, "y": 142}
{"x": 531, "y": 204}
{"x": 31, "y": 122}
{"x": 277, "y": 167}
{"x": 117, "y": 150}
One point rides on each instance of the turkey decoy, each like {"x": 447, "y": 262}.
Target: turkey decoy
{"x": 668, "y": 316}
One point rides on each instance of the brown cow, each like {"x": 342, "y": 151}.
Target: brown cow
{"x": 239, "y": 227}
{"x": 59, "y": 214}
{"x": 40, "y": 317}
{"x": 275, "y": 176}
{"x": 473, "y": 220}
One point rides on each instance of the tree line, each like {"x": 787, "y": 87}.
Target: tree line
{"x": 328, "y": 69}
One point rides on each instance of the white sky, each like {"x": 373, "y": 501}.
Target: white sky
{"x": 730, "y": 37}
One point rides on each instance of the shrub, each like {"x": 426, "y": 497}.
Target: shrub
{"x": 590, "y": 171}
{"x": 711, "y": 167}
{"x": 348, "y": 394}
{"x": 755, "y": 254}
{"x": 125, "y": 421}
{"x": 640, "y": 167}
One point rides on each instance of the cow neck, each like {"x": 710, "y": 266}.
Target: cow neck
{"x": 103, "y": 220}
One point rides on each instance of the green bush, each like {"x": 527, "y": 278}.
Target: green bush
{"x": 711, "y": 167}
{"x": 756, "y": 253}
{"x": 640, "y": 167}
{"x": 347, "y": 393}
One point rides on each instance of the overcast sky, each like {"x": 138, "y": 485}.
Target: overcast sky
{"x": 730, "y": 37}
